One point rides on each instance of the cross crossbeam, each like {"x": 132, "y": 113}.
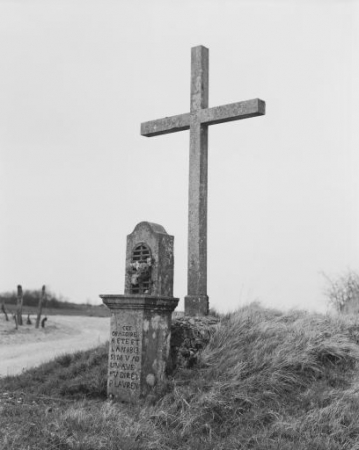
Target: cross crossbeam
{"x": 207, "y": 116}
{"x": 197, "y": 121}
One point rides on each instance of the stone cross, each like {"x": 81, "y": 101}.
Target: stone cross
{"x": 197, "y": 121}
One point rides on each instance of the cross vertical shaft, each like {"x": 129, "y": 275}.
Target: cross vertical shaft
{"x": 196, "y": 301}
{"x": 197, "y": 122}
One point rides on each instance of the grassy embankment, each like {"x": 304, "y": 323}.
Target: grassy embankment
{"x": 266, "y": 381}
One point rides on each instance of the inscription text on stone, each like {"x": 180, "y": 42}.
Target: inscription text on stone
{"x": 125, "y": 358}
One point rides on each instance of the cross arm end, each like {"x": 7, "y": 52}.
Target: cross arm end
{"x": 261, "y": 107}
{"x": 166, "y": 125}
{"x": 233, "y": 111}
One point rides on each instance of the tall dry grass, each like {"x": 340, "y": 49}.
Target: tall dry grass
{"x": 267, "y": 380}
{"x": 264, "y": 380}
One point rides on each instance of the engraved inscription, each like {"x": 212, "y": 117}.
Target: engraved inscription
{"x": 125, "y": 359}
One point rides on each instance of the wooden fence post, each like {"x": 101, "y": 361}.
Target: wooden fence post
{"x": 41, "y": 300}
{"x": 4, "y": 310}
{"x": 19, "y": 305}
{"x": 15, "y": 319}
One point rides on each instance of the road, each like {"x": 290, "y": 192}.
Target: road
{"x": 67, "y": 335}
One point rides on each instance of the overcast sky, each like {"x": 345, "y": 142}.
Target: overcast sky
{"x": 77, "y": 78}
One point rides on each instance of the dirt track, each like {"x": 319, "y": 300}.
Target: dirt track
{"x": 28, "y": 347}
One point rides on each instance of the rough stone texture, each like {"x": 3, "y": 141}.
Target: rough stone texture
{"x": 141, "y": 323}
{"x": 166, "y": 125}
{"x": 197, "y": 122}
{"x": 232, "y": 111}
{"x": 196, "y": 305}
{"x": 139, "y": 344}
{"x": 160, "y": 243}
{"x": 189, "y": 336}
{"x": 209, "y": 116}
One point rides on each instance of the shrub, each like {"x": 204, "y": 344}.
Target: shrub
{"x": 343, "y": 291}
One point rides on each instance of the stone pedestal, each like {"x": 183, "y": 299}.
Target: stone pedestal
{"x": 196, "y": 305}
{"x": 139, "y": 344}
{"x": 141, "y": 319}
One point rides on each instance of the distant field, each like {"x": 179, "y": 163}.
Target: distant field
{"x": 92, "y": 311}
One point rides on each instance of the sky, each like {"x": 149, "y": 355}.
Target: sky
{"x": 78, "y": 77}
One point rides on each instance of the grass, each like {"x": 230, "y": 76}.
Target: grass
{"x": 267, "y": 380}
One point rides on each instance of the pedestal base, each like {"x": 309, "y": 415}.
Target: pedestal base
{"x": 196, "y": 305}
{"x": 139, "y": 344}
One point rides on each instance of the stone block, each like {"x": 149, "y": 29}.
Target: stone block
{"x": 189, "y": 337}
{"x": 196, "y": 305}
{"x": 139, "y": 344}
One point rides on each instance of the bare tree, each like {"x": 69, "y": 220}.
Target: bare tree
{"x": 41, "y": 300}
{"x": 19, "y": 305}
{"x": 343, "y": 291}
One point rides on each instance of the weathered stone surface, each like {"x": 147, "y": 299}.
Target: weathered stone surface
{"x": 141, "y": 319}
{"x": 232, "y": 111}
{"x": 189, "y": 336}
{"x": 139, "y": 344}
{"x": 197, "y": 121}
{"x": 153, "y": 277}
{"x": 208, "y": 116}
{"x": 166, "y": 125}
{"x": 196, "y": 305}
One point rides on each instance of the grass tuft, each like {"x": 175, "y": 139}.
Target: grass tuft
{"x": 77, "y": 376}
